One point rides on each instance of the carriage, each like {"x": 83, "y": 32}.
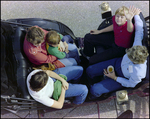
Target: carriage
{"x": 15, "y": 66}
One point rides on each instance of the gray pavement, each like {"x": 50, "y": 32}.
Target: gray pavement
{"x": 81, "y": 17}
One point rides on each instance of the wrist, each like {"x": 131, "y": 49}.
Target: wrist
{"x": 115, "y": 78}
{"x": 129, "y": 20}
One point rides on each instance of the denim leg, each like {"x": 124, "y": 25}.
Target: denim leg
{"x": 68, "y": 61}
{"x": 73, "y": 52}
{"x": 98, "y": 69}
{"x": 78, "y": 91}
{"x": 67, "y": 38}
{"x": 105, "y": 86}
{"x": 73, "y": 73}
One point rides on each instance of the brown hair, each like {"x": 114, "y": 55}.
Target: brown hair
{"x": 137, "y": 54}
{"x": 53, "y": 37}
{"x": 121, "y": 10}
{"x": 35, "y": 35}
{"x": 38, "y": 80}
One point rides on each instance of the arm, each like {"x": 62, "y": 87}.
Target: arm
{"x": 131, "y": 82}
{"x": 56, "y": 76}
{"x": 55, "y": 52}
{"x": 59, "y": 104}
{"x": 138, "y": 29}
{"x": 129, "y": 17}
{"x": 51, "y": 102}
{"x": 41, "y": 58}
{"x": 107, "y": 29}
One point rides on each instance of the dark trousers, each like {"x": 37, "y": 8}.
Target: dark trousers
{"x": 105, "y": 40}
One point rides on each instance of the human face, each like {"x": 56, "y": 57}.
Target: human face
{"x": 120, "y": 20}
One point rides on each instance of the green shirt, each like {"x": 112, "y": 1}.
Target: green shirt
{"x": 54, "y": 50}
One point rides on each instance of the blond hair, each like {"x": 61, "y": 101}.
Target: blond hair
{"x": 35, "y": 35}
{"x": 121, "y": 10}
{"x": 137, "y": 54}
{"x": 53, "y": 37}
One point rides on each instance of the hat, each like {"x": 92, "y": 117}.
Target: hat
{"x": 122, "y": 96}
{"x": 104, "y": 7}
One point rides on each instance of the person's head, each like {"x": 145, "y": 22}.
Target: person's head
{"x": 137, "y": 54}
{"x": 120, "y": 16}
{"x": 38, "y": 80}
{"x": 53, "y": 38}
{"x": 35, "y": 36}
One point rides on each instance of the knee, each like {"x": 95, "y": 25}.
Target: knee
{"x": 87, "y": 37}
{"x": 73, "y": 61}
{"x": 79, "y": 69}
{"x": 95, "y": 91}
{"x": 89, "y": 71}
{"x": 84, "y": 89}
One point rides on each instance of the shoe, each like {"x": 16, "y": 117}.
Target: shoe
{"x": 126, "y": 114}
{"x": 82, "y": 53}
{"x": 81, "y": 45}
{"x": 67, "y": 102}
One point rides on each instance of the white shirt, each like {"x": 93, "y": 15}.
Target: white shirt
{"x": 134, "y": 72}
{"x": 42, "y": 96}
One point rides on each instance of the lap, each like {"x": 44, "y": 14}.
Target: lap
{"x": 105, "y": 86}
{"x": 72, "y": 72}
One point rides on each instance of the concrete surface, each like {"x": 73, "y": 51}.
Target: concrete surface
{"x": 81, "y": 17}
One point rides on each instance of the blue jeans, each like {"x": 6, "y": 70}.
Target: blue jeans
{"x": 107, "y": 85}
{"x": 67, "y": 38}
{"x": 68, "y": 61}
{"x": 73, "y": 52}
{"x": 78, "y": 91}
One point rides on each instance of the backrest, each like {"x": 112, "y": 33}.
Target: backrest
{"x": 8, "y": 83}
{"x": 22, "y": 64}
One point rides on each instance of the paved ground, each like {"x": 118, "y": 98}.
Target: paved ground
{"x": 81, "y": 17}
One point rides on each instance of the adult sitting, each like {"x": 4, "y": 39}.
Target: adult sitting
{"x": 128, "y": 71}
{"x": 35, "y": 50}
{"x": 40, "y": 84}
{"x": 115, "y": 38}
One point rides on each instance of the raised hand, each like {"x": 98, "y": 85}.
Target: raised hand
{"x": 131, "y": 13}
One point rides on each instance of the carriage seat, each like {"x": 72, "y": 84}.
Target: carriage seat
{"x": 22, "y": 64}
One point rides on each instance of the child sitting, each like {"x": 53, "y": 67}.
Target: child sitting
{"x": 59, "y": 49}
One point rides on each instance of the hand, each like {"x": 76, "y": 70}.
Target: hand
{"x": 65, "y": 84}
{"x": 66, "y": 47}
{"x": 62, "y": 46}
{"x": 130, "y": 14}
{"x": 137, "y": 11}
{"x": 94, "y": 32}
{"x": 65, "y": 44}
{"x": 111, "y": 75}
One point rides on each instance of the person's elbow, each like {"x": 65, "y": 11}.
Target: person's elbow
{"x": 60, "y": 106}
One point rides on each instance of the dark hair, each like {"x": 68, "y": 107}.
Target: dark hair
{"x": 35, "y": 35}
{"x": 38, "y": 80}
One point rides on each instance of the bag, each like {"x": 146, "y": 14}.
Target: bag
{"x": 48, "y": 66}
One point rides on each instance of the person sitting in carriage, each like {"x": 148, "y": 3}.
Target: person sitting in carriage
{"x": 129, "y": 70}
{"x": 35, "y": 50}
{"x": 115, "y": 38}
{"x": 54, "y": 43}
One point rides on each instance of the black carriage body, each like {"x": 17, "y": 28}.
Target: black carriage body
{"x": 22, "y": 65}
{"x": 43, "y": 23}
